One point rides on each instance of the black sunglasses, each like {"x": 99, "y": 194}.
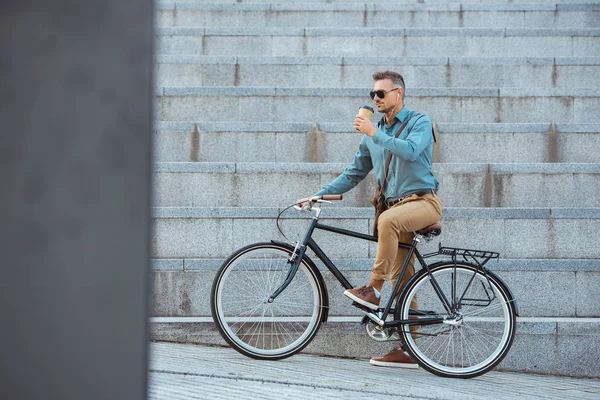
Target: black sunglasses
{"x": 380, "y": 93}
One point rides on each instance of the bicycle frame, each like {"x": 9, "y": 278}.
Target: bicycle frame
{"x": 309, "y": 242}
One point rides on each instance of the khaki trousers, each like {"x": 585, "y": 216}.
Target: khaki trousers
{"x": 398, "y": 224}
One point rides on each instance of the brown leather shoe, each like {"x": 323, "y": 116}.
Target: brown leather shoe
{"x": 395, "y": 358}
{"x": 364, "y": 295}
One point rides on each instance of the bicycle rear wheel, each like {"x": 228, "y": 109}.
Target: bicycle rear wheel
{"x": 475, "y": 336}
{"x": 244, "y": 317}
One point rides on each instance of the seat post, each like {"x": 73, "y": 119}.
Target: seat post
{"x": 417, "y": 239}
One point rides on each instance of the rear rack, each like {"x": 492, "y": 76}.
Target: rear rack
{"x": 468, "y": 255}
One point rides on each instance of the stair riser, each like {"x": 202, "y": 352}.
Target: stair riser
{"x": 467, "y": 189}
{"x": 375, "y": 19}
{"x": 335, "y": 76}
{"x": 407, "y": 46}
{"x": 564, "y": 4}
{"x": 442, "y": 109}
{"x": 512, "y": 238}
{"x": 336, "y": 147}
{"x": 185, "y": 293}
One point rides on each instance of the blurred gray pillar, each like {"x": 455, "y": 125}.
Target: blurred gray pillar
{"x": 75, "y": 144}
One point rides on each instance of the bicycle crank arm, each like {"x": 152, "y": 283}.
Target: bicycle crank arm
{"x": 369, "y": 314}
{"x": 420, "y": 321}
{"x": 375, "y": 319}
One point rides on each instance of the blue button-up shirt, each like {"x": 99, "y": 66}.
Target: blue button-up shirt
{"x": 410, "y": 167}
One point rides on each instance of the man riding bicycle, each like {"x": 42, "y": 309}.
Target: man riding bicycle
{"x": 409, "y": 189}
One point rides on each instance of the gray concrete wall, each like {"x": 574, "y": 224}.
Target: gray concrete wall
{"x": 75, "y": 153}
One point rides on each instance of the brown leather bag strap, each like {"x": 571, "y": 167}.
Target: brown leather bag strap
{"x": 389, "y": 158}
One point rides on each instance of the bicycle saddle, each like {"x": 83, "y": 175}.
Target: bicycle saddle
{"x": 431, "y": 230}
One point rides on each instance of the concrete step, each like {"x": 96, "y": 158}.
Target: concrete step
{"x": 443, "y": 105}
{"x": 343, "y": 72}
{"x": 336, "y": 142}
{"x": 531, "y": 282}
{"x": 559, "y": 4}
{"x": 461, "y": 184}
{"x": 454, "y": 15}
{"x": 179, "y": 371}
{"x": 556, "y": 346}
{"x": 209, "y": 233}
{"x": 405, "y": 42}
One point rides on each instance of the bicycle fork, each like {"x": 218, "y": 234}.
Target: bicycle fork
{"x": 295, "y": 260}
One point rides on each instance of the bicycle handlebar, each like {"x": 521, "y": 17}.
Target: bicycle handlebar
{"x": 326, "y": 198}
{"x": 331, "y": 197}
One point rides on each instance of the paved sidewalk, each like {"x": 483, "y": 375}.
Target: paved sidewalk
{"x": 187, "y": 371}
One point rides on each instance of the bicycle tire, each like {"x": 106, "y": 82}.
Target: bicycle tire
{"x": 256, "y": 328}
{"x": 476, "y": 337}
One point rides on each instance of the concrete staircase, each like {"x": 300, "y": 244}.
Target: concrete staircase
{"x": 254, "y": 109}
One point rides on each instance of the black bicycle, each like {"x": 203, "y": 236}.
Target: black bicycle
{"x": 269, "y": 299}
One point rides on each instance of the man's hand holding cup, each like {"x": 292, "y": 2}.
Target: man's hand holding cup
{"x": 363, "y": 122}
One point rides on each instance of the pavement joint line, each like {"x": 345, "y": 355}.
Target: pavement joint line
{"x": 287, "y": 383}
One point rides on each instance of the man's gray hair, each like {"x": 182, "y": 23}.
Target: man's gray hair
{"x": 393, "y": 76}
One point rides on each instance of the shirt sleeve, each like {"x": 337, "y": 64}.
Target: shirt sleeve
{"x": 408, "y": 149}
{"x": 353, "y": 174}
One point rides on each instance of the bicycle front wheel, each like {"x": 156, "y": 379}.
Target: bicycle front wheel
{"x": 474, "y": 336}
{"x": 244, "y": 317}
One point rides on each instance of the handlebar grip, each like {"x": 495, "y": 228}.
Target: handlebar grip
{"x": 332, "y": 197}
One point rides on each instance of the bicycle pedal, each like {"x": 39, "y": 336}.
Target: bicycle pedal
{"x": 365, "y": 308}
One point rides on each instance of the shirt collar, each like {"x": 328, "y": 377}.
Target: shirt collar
{"x": 401, "y": 116}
